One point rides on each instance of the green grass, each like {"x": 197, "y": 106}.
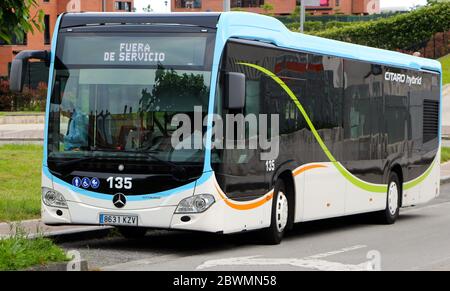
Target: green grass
{"x": 445, "y": 61}
{"x": 20, "y": 186}
{"x": 4, "y": 113}
{"x": 19, "y": 252}
{"x": 445, "y": 155}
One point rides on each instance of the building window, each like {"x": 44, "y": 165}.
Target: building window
{"x": 189, "y": 3}
{"x": 15, "y": 41}
{"x": 47, "y": 37}
{"x": 122, "y": 6}
{"x": 338, "y": 3}
{"x": 46, "y": 1}
{"x": 246, "y": 3}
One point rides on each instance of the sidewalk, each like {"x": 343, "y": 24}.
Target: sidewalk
{"x": 22, "y": 131}
{"x": 36, "y": 227}
{"x": 22, "y": 128}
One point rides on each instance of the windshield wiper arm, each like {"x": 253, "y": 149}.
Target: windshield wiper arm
{"x": 178, "y": 171}
{"x": 66, "y": 165}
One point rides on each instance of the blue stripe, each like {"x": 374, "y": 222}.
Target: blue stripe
{"x": 440, "y": 113}
{"x": 81, "y": 191}
{"x": 50, "y": 86}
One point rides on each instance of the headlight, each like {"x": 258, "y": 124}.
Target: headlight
{"x": 195, "y": 204}
{"x": 53, "y": 198}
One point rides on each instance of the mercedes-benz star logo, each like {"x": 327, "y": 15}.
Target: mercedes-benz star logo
{"x": 119, "y": 200}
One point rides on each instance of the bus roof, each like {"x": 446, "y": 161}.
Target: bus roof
{"x": 259, "y": 27}
{"x": 91, "y": 18}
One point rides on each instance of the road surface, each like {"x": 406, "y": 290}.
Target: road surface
{"x": 420, "y": 240}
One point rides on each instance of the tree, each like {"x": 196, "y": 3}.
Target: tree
{"x": 432, "y": 2}
{"x": 148, "y": 8}
{"x": 16, "y": 19}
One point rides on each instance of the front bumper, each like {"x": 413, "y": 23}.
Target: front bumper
{"x": 157, "y": 217}
{"x": 220, "y": 217}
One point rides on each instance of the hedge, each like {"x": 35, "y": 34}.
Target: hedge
{"x": 403, "y": 31}
{"x": 295, "y": 17}
{"x": 312, "y": 26}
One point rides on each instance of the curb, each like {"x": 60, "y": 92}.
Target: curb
{"x": 68, "y": 235}
{"x": 58, "y": 267}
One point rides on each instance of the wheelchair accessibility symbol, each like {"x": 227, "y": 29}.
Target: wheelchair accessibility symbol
{"x": 85, "y": 183}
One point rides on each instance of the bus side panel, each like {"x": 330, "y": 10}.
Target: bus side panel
{"x": 362, "y": 201}
{"x": 411, "y": 197}
{"x": 421, "y": 184}
{"x": 299, "y": 181}
{"x": 430, "y": 186}
{"x": 325, "y": 192}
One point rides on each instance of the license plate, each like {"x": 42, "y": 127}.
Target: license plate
{"x": 113, "y": 219}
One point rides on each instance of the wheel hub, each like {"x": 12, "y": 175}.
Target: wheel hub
{"x": 393, "y": 198}
{"x": 281, "y": 211}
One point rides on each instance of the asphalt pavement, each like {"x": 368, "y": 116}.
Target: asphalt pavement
{"x": 418, "y": 241}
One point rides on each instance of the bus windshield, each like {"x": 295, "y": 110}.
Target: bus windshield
{"x": 116, "y": 96}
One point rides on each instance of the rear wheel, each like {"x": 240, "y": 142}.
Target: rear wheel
{"x": 280, "y": 215}
{"x": 132, "y": 232}
{"x": 392, "y": 211}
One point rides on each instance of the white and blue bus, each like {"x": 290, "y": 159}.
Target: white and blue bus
{"x": 359, "y": 127}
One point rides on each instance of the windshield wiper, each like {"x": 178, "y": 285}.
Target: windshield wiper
{"x": 67, "y": 166}
{"x": 179, "y": 172}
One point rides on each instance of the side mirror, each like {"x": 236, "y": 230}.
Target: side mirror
{"x": 234, "y": 91}
{"x": 19, "y": 67}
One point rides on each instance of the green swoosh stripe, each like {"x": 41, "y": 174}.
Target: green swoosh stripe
{"x": 377, "y": 188}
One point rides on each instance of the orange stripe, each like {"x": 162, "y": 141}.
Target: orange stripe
{"x": 268, "y": 197}
{"x": 246, "y": 206}
{"x": 306, "y": 168}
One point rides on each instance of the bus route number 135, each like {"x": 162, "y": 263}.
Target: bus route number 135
{"x": 120, "y": 182}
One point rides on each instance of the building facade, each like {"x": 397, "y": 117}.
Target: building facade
{"x": 280, "y": 7}
{"x": 347, "y": 7}
{"x": 283, "y": 7}
{"x": 52, "y": 9}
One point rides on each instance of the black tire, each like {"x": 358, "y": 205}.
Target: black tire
{"x": 132, "y": 232}
{"x": 388, "y": 216}
{"x": 274, "y": 234}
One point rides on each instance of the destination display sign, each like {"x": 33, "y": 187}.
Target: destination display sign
{"x": 136, "y": 51}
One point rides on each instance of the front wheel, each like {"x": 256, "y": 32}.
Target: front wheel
{"x": 392, "y": 211}
{"x": 279, "y": 217}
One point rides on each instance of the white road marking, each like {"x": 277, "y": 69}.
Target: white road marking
{"x": 332, "y": 253}
{"x": 311, "y": 262}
